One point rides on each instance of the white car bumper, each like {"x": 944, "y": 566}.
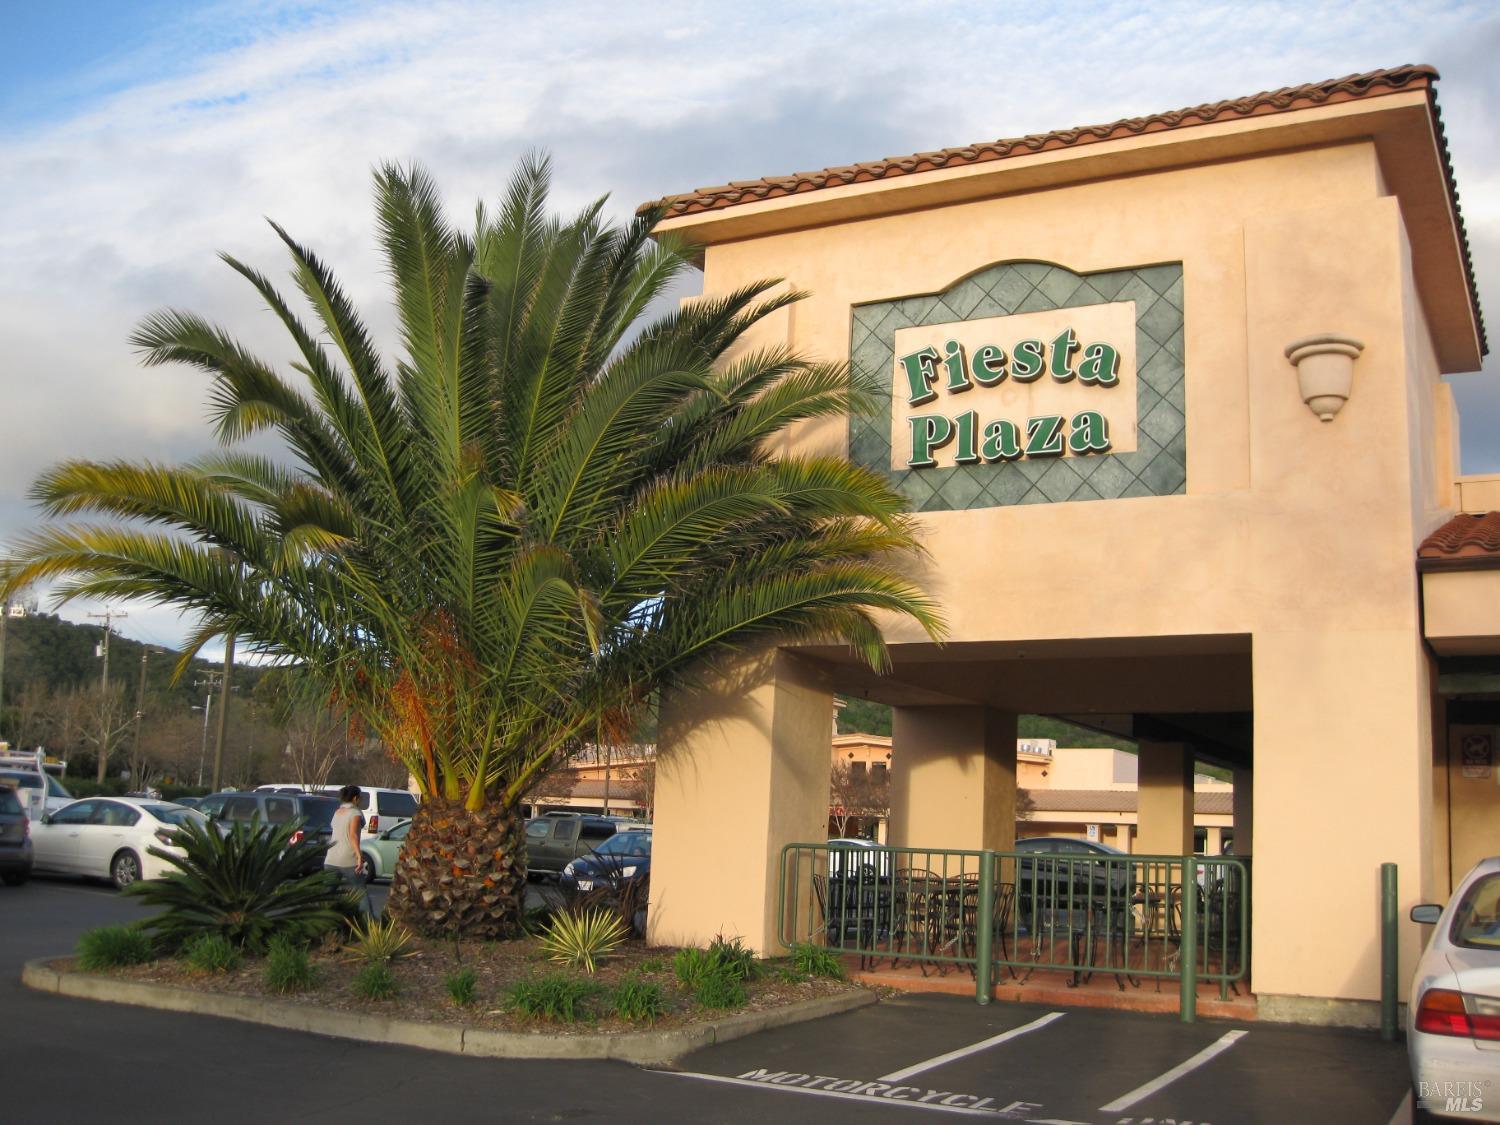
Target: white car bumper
{"x": 1451, "y": 1077}
{"x": 154, "y": 867}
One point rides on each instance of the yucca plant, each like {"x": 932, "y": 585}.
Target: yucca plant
{"x": 581, "y": 938}
{"x": 542, "y": 513}
{"x": 378, "y": 940}
{"x": 246, "y": 887}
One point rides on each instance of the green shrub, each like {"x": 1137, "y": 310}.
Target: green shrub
{"x": 556, "y": 996}
{"x": 247, "y": 887}
{"x": 379, "y": 940}
{"x": 375, "y": 982}
{"x": 581, "y": 939}
{"x": 691, "y": 966}
{"x": 651, "y": 965}
{"x": 212, "y": 953}
{"x": 107, "y": 947}
{"x": 637, "y": 1000}
{"x": 719, "y": 990}
{"x": 817, "y": 961}
{"x": 287, "y": 967}
{"x": 732, "y": 958}
{"x": 724, "y": 958}
{"x": 461, "y": 985}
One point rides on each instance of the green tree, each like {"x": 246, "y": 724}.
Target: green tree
{"x": 539, "y": 515}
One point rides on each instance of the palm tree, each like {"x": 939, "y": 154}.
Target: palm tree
{"x": 540, "y": 514}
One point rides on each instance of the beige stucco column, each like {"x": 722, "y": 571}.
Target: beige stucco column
{"x": 745, "y": 757}
{"x": 953, "y": 779}
{"x": 1165, "y": 808}
{"x": 1244, "y": 812}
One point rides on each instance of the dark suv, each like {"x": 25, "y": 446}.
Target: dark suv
{"x": 555, "y": 840}
{"x": 15, "y": 839}
{"x": 315, "y": 812}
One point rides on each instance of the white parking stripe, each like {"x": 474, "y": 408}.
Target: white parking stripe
{"x": 964, "y": 1052}
{"x": 1141, "y": 1093}
{"x": 866, "y": 1098}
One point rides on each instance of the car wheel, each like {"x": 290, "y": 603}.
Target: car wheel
{"x": 125, "y": 869}
{"x": 370, "y": 866}
{"x": 14, "y": 878}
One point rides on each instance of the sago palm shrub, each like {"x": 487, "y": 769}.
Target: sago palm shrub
{"x": 545, "y": 509}
{"x": 245, "y": 887}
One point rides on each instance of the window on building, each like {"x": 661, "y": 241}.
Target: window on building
{"x": 878, "y": 770}
{"x": 1200, "y": 840}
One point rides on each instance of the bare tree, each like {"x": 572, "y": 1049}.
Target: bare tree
{"x": 316, "y": 739}
{"x": 105, "y": 718}
{"x": 856, "y": 794}
{"x": 35, "y": 715}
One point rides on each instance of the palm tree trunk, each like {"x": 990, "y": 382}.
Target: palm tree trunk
{"x": 461, "y": 873}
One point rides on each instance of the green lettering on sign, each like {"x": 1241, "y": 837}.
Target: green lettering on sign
{"x": 1002, "y": 441}
{"x": 958, "y": 378}
{"x": 964, "y": 452}
{"x": 921, "y": 370}
{"x": 1090, "y": 433}
{"x": 1100, "y": 366}
{"x": 1062, "y": 355}
{"x": 1026, "y": 361}
{"x": 1044, "y": 436}
{"x": 989, "y": 365}
{"x": 928, "y": 432}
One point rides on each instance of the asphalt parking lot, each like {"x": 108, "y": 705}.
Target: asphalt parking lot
{"x": 74, "y": 1060}
{"x": 946, "y": 1054}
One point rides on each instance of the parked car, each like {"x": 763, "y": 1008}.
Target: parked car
{"x": 381, "y": 849}
{"x": 187, "y": 802}
{"x": 624, "y": 857}
{"x": 15, "y": 839}
{"x": 1453, "y": 1010}
{"x": 314, "y": 812}
{"x": 109, "y": 838}
{"x": 554, "y": 841}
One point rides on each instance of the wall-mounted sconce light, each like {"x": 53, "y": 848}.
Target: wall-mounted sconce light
{"x": 1325, "y": 370}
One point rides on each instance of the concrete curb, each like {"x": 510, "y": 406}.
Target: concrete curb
{"x": 645, "y": 1048}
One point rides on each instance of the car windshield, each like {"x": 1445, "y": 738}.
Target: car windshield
{"x": 319, "y": 811}
{"x": 626, "y": 843}
{"x": 1476, "y": 922}
{"x": 174, "y": 814}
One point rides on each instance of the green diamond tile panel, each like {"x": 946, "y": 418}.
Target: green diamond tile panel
{"x": 1157, "y": 467}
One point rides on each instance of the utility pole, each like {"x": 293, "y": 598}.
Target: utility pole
{"x": 107, "y": 617}
{"x": 140, "y": 701}
{"x": 4, "y": 613}
{"x": 223, "y": 711}
{"x": 210, "y": 681}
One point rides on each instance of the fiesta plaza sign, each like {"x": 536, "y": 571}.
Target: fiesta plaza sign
{"x": 969, "y": 395}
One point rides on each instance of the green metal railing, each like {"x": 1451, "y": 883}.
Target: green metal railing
{"x": 1018, "y": 913}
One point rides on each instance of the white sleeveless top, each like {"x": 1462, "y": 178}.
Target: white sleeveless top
{"x": 343, "y": 854}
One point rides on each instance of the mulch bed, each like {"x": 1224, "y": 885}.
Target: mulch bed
{"x": 421, "y": 995}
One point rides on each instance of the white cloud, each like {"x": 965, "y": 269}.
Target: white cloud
{"x": 119, "y": 208}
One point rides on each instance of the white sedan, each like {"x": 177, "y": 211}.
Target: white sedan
{"x": 1453, "y": 1019}
{"x": 109, "y": 838}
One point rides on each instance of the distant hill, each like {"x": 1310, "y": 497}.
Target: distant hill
{"x": 62, "y": 654}
{"x": 863, "y": 716}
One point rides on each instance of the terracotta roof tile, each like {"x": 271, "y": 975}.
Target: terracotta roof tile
{"x": 1331, "y": 92}
{"x": 1464, "y": 541}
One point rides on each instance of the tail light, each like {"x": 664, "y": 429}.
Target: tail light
{"x": 1446, "y": 1011}
{"x": 374, "y": 825}
{"x": 297, "y": 836}
{"x": 165, "y": 836}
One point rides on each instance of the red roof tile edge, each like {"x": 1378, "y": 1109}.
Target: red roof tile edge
{"x": 1330, "y": 92}
{"x": 1467, "y": 541}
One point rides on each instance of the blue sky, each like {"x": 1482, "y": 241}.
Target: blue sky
{"x": 138, "y": 137}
